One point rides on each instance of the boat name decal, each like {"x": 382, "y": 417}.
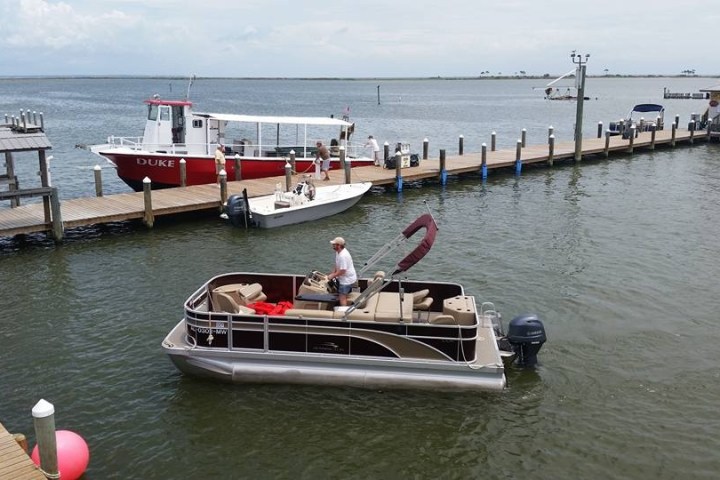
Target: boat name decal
{"x": 156, "y": 162}
{"x": 219, "y": 331}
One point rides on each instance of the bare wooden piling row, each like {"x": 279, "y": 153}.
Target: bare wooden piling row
{"x": 133, "y": 206}
{"x": 14, "y": 461}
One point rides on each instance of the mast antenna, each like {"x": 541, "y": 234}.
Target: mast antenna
{"x": 187, "y": 95}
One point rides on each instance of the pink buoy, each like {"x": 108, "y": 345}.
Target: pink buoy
{"x": 73, "y": 454}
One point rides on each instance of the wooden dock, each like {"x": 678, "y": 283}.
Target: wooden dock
{"x": 82, "y": 212}
{"x": 14, "y": 462}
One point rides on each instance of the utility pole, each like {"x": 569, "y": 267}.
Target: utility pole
{"x": 580, "y": 61}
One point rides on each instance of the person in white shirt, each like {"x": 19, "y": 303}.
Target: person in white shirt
{"x": 344, "y": 270}
{"x": 375, "y": 148}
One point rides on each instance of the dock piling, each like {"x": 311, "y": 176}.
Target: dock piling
{"x": 288, "y": 176}
{"x": 653, "y": 126}
{"x": 183, "y": 172}
{"x": 677, "y": 121}
{"x": 523, "y": 136}
{"x": 483, "y": 164}
{"x": 600, "y": 130}
{"x": 149, "y": 216}
{"x": 461, "y": 141}
{"x": 673, "y": 133}
{"x": 631, "y": 138}
{"x": 518, "y": 156}
{"x": 44, "y": 420}
{"x": 493, "y": 138}
{"x": 223, "y": 189}
{"x": 98, "y": 181}
{"x": 348, "y": 165}
{"x": 398, "y": 172}
{"x": 57, "y": 224}
{"x": 443, "y": 170}
{"x": 292, "y": 161}
{"x": 238, "y": 166}
{"x": 551, "y": 150}
{"x": 606, "y": 150}
{"x": 426, "y": 147}
{"x": 386, "y": 153}
{"x": 551, "y": 131}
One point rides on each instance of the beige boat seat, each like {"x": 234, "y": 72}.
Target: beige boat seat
{"x": 225, "y": 303}
{"x": 443, "y": 320}
{"x": 242, "y": 293}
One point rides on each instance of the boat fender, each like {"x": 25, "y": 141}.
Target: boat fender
{"x": 309, "y": 191}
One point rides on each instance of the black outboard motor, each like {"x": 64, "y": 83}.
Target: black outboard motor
{"x": 235, "y": 210}
{"x": 526, "y": 334}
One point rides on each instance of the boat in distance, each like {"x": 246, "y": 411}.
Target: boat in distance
{"x": 304, "y": 203}
{"x": 255, "y": 146}
{"x": 247, "y": 327}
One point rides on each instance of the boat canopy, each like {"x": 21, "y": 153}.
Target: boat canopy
{"x": 228, "y": 117}
{"x": 648, "y": 107}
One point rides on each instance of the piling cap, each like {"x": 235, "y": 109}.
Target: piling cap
{"x": 43, "y": 409}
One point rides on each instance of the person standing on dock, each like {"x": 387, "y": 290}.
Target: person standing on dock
{"x": 323, "y": 156}
{"x": 219, "y": 161}
{"x": 375, "y": 149}
{"x": 344, "y": 270}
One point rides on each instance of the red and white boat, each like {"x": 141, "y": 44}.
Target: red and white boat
{"x": 261, "y": 145}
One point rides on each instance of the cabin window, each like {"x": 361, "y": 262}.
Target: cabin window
{"x": 197, "y": 124}
{"x": 164, "y": 113}
{"x": 152, "y": 112}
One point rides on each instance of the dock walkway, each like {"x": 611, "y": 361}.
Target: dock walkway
{"x": 14, "y": 462}
{"x": 81, "y": 212}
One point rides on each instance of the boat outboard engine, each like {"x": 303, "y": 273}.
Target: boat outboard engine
{"x": 526, "y": 334}
{"x": 235, "y": 210}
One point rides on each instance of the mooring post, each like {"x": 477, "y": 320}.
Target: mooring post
{"x": 523, "y": 136}
{"x": 677, "y": 121}
{"x": 659, "y": 122}
{"x": 443, "y": 170}
{"x": 551, "y": 150}
{"x": 223, "y": 189}
{"x": 347, "y": 162}
{"x": 288, "y": 176}
{"x": 606, "y": 152}
{"x": 56, "y": 214}
{"x": 518, "y": 155}
{"x": 426, "y": 148}
{"x": 398, "y": 172}
{"x": 97, "y": 170}
{"x": 672, "y": 135}
{"x": 292, "y": 160}
{"x": 708, "y": 130}
{"x": 386, "y": 154}
{"x": 652, "y": 136}
{"x": 483, "y": 165}
{"x": 461, "y": 140}
{"x": 550, "y": 132}
{"x": 238, "y": 167}
{"x": 631, "y": 138}
{"x": 600, "y": 130}
{"x": 493, "y": 138}
{"x": 44, "y": 421}
{"x": 183, "y": 172}
{"x": 149, "y": 217}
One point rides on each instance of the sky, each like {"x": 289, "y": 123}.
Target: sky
{"x": 360, "y": 38}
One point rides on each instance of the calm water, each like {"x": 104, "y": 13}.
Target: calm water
{"x": 618, "y": 257}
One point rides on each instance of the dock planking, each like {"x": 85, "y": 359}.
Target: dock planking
{"x": 14, "y": 461}
{"x": 83, "y": 212}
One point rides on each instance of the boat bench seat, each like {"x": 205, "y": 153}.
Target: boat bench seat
{"x": 382, "y": 307}
{"x": 241, "y": 293}
{"x": 461, "y": 308}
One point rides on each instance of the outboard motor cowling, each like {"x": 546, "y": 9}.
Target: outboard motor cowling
{"x": 235, "y": 210}
{"x": 526, "y": 334}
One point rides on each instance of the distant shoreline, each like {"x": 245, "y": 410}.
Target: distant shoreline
{"x": 358, "y": 79}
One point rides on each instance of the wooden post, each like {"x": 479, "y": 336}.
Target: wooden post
{"x": 183, "y": 172}
{"x": 659, "y": 123}
{"x": 149, "y": 216}
{"x": 443, "y": 170}
{"x": 223, "y": 189}
{"x": 57, "y": 224}
{"x": 631, "y": 139}
{"x": 551, "y": 150}
{"x": 292, "y": 160}
{"x": 518, "y": 155}
{"x": 600, "y": 130}
{"x": 691, "y": 126}
{"x": 288, "y": 176}
{"x": 652, "y": 136}
{"x": 708, "y": 130}
{"x": 551, "y": 131}
{"x": 386, "y": 154}
{"x": 607, "y": 144}
{"x": 10, "y": 170}
{"x": 45, "y": 181}
{"x": 677, "y": 121}
{"x": 523, "y": 137}
{"x": 426, "y": 147}
{"x": 44, "y": 420}
{"x": 348, "y": 165}
{"x": 238, "y": 166}
{"x": 98, "y": 181}
{"x": 398, "y": 172}
{"x": 493, "y": 137}
{"x": 461, "y": 140}
{"x": 483, "y": 165}
{"x": 21, "y": 440}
